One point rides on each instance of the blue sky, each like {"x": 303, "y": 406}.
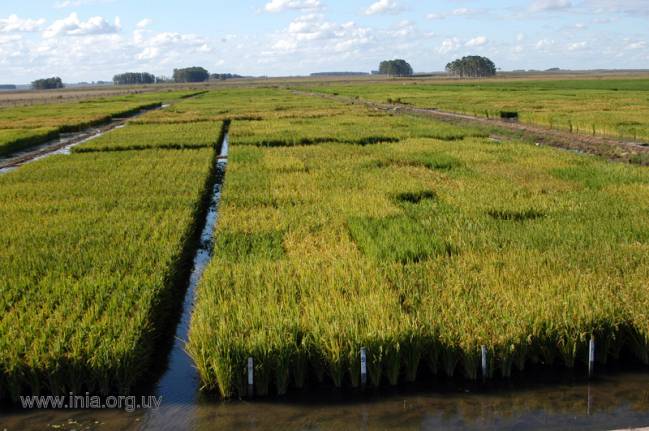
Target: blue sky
{"x": 85, "y": 40}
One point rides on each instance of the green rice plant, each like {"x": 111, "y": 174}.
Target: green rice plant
{"x": 592, "y": 106}
{"x": 27, "y": 126}
{"x": 421, "y": 251}
{"x": 96, "y": 250}
{"x": 161, "y": 136}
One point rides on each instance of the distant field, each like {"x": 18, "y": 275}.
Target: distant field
{"x": 613, "y": 107}
{"x": 418, "y": 247}
{"x": 26, "y": 126}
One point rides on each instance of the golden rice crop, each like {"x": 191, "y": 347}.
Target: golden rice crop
{"x": 422, "y": 251}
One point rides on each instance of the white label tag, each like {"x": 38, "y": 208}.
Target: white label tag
{"x": 250, "y": 371}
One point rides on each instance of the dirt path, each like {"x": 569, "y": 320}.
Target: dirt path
{"x": 612, "y": 149}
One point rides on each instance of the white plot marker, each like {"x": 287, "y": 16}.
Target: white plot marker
{"x": 251, "y": 381}
{"x": 363, "y": 366}
{"x": 591, "y": 356}
{"x": 484, "y": 362}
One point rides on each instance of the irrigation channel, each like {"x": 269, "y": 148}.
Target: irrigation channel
{"x": 537, "y": 400}
{"x": 65, "y": 141}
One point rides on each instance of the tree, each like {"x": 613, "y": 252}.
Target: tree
{"x": 223, "y": 76}
{"x": 191, "y": 74}
{"x": 47, "y": 84}
{"x": 472, "y": 66}
{"x": 134, "y": 79}
{"x": 395, "y": 68}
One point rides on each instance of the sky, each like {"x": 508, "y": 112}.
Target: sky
{"x": 90, "y": 40}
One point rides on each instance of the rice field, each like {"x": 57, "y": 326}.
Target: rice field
{"x": 95, "y": 253}
{"x": 155, "y": 136}
{"x": 340, "y": 228}
{"x": 26, "y": 126}
{"x": 612, "y": 107}
{"x": 420, "y": 249}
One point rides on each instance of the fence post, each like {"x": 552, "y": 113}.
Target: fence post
{"x": 251, "y": 380}
{"x": 484, "y": 362}
{"x": 591, "y": 356}
{"x": 363, "y": 366}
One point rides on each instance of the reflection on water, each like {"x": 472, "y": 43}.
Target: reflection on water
{"x": 613, "y": 401}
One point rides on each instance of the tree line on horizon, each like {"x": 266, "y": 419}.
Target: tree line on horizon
{"x": 188, "y": 74}
{"x": 472, "y": 66}
{"x": 47, "y": 83}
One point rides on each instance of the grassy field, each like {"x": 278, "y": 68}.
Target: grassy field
{"x": 612, "y": 107}
{"x": 25, "y": 126}
{"x": 421, "y": 250}
{"x": 95, "y": 250}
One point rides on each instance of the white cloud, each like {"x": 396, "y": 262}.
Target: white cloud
{"x": 449, "y": 45}
{"x": 432, "y": 16}
{"x": 577, "y": 46}
{"x": 148, "y": 53}
{"x": 463, "y": 11}
{"x": 282, "y": 5}
{"x": 312, "y": 33}
{"x": 636, "y": 45}
{"x": 544, "y": 44}
{"x": 629, "y": 7}
{"x": 383, "y": 6}
{"x": 549, "y": 5}
{"x": 77, "y": 3}
{"x": 14, "y": 24}
{"x": 73, "y": 26}
{"x": 404, "y": 29}
{"x": 9, "y": 38}
{"x": 144, "y": 23}
{"x": 477, "y": 41}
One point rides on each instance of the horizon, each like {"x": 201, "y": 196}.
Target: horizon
{"x": 92, "y": 40}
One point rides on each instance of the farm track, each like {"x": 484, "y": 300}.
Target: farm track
{"x": 609, "y": 148}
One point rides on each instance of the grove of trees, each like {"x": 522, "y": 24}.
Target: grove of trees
{"x": 191, "y": 74}
{"x": 224, "y": 76}
{"x": 47, "y": 83}
{"x": 395, "y": 68}
{"x": 134, "y": 78}
{"x": 472, "y": 66}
